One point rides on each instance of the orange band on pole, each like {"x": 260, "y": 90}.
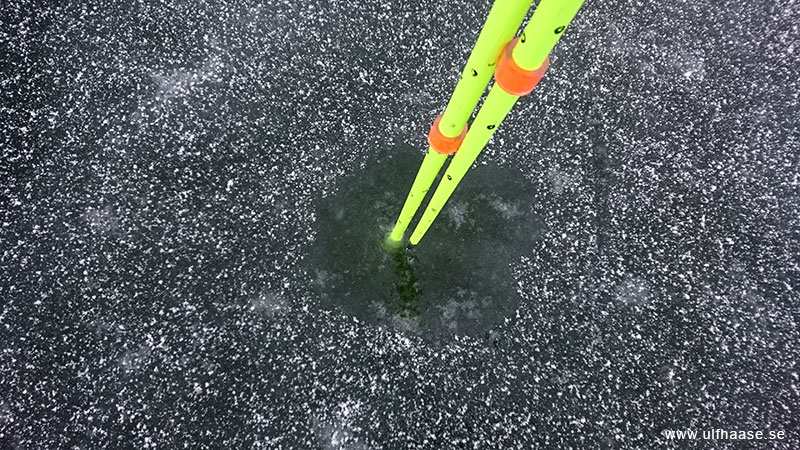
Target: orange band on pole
{"x": 441, "y": 143}
{"x": 512, "y": 78}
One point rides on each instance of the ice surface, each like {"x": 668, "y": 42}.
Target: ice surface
{"x": 174, "y": 174}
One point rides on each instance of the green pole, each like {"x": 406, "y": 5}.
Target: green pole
{"x": 497, "y": 105}
{"x": 545, "y": 28}
{"x": 547, "y": 25}
{"x": 422, "y": 183}
{"x": 500, "y": 27}
{"x": 501, "y": 24}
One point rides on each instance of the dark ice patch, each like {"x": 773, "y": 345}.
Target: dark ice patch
{"x": 457, "y": 281}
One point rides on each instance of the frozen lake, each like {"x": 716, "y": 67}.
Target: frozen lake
{"x": 193, "y": 194}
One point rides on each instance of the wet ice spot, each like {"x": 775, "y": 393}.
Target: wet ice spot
{"x": 458, "y": 281}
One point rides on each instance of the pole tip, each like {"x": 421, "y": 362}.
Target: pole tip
{"x": 390, "y": 244}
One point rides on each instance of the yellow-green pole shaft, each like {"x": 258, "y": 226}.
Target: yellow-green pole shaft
{"x": 545, "y": 28}
{"x": 501, "y": 24}
{"x": 541, "y": 34}
{"x": 497, "y": 105}
{"x": 422, "y": 183}
{"x": 500, "y": 27}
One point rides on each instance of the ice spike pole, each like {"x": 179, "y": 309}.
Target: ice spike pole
{"x": 522, "y": 64}
{"x": 449, "y": 129}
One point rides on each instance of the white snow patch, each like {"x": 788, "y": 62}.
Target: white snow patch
{"x": 632, "y": 291}
{"x": 180, "y": 82}
{"x": 506, "y": 209}
{"x": 269, "y": 304}
{"x": 457, "y": 213}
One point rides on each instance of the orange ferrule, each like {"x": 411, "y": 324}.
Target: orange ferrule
{"x": 512, "y": 78}
{"x": 441, "y": 143}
